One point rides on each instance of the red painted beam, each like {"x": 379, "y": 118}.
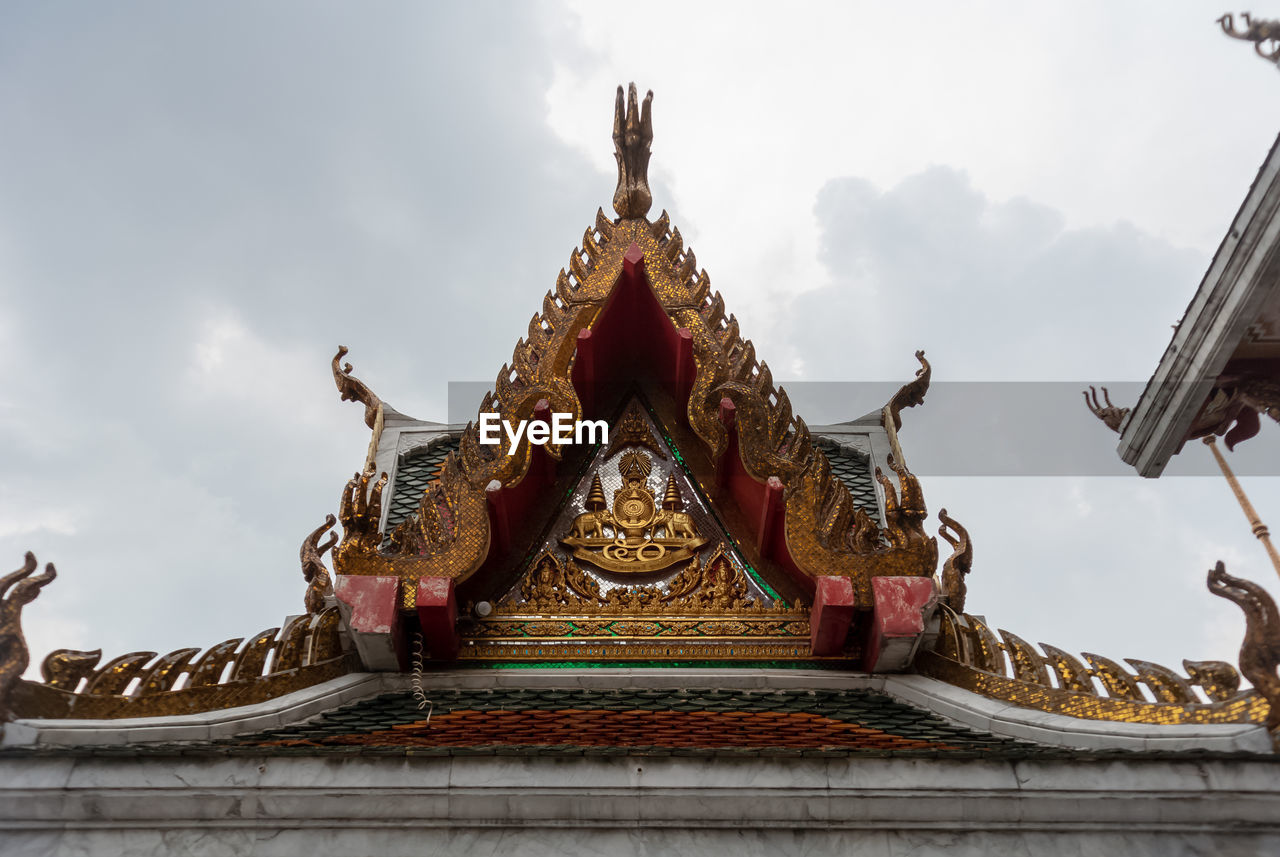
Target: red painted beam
{"x": 902, "y": 608}
{"x": 832, "y": 615}
{"x": 633, "y": 264}
{"x": 770, "y": 533}
{"x": 729, "y": 459}
{"x": 499, "y": 519}
{"x": 547, "y": 464}
{"x": 685, "y": 372}
{"x": 370, "y": 606}
{"x": 438, "y": 617}
{"x": 584, "y": 373}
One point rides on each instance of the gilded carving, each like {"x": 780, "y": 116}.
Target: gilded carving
{"x": 909, "y": 395}
{"x": 17, "y": 590}
{"x": 1231, "y": 410}
{"x": 957, "y": 566}
{"x": 1234, "y": 406}
{"x": 633, "y": 430}
{"x": 625, "y": 538}
{"x": 706, "y": 607}
{"x": 632, "y": 136}
{"x": 563, "y": 588}
{"x": 352, "y": 389}
{"x": 66, "y": 668}
{"x": 970, "y": 656}
{"x": 904, "y": 512}
{"x": 647, "y": 650}
{"x": 319, "y": 585}
{"x": 1260, "y": 651}
{"x": 1218, "y": 679}
{"x": 139, "y": 684}
{"x": 360, "y": 510}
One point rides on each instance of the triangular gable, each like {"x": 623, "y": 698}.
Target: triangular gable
{"x": 631, "y": 307}
{"x": 634, "y": 311}
{"x": 636, "y": 563}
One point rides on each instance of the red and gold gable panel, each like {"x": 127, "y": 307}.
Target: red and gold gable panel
{"x": 635, "y": 565}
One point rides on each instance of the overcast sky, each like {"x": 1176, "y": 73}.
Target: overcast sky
{"x": 198, "y": 203}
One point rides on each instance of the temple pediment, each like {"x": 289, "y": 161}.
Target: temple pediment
{"x": 633, "y": 314}
{"x": 636, "y": 564}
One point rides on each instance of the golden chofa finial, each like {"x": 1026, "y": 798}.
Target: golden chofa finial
{"x": 632, "y": 136}
{"x": 1259, "y": 32}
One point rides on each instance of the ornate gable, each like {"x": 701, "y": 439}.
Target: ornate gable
{"x": 633, "y": 311}
{"x": 637, "y": 564}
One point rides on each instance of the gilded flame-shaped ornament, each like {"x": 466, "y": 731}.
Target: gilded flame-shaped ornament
{"x": 632, "y": 136}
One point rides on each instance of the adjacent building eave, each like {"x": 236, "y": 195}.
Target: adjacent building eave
{"x": 1243, "y": 278}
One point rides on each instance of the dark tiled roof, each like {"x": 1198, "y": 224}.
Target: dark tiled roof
{"x": 413, "y": 472}
{"x": 635, "y": 720}
{"x": 854, "y": 470}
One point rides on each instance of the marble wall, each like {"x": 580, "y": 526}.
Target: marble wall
{"x": 643, "y": 805}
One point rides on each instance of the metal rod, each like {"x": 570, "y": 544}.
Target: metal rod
{"x": 1259, "y": 528}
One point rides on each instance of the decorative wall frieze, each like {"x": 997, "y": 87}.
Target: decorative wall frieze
{"x": 704, "y": 611}
{"x": 716, "y": 587}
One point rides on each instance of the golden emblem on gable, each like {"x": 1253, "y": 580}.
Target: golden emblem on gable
{"x": 637, "y": 534}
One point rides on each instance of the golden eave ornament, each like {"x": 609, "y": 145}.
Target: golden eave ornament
{"x": 624, "y": 539}
{"x": 632, "y": 136}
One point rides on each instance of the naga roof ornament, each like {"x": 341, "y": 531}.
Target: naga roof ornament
{"x": 1265, "y": 35}
{"x": 355, "y": 390}
{"x": 17, "y": 590}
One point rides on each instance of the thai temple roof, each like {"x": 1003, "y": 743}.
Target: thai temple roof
{"x": 713, "y": 577}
